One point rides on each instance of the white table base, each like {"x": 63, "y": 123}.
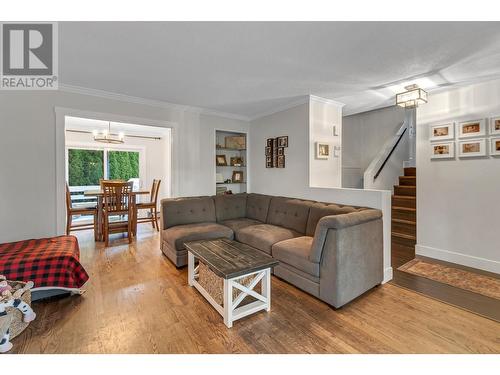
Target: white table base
{"x": 229, "y": 309}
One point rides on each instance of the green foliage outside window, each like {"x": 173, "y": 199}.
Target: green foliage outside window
{"x": 85, "y": 167}
{"x": 123, "y": 165}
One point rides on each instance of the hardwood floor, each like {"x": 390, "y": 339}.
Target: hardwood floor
{"x": 138, "y": 302}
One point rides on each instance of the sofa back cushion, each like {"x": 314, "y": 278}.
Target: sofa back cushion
{"x": 319, "y": 210}
{"x": 230, "y": 206}
{"x": 187, "y": 211}
{"x": 289, "y": 213}
{"x": 258, "y": 206}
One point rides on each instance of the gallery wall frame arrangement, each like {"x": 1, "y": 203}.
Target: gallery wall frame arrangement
{"x": 275, "y": 151}
{"x": 470, "y": 137}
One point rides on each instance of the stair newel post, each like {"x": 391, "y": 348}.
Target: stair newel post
{"x": 411, "y": 120}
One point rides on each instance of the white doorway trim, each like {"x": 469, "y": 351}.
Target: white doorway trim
{"x": 62, "y": 112}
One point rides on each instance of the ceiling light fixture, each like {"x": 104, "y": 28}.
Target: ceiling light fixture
{"x": 412, "y": 97}
{"x": 105, "y": 136}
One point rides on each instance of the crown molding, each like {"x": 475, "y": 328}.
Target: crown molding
{"x": 281, "y": 108}
{"x": 150, "y": 102}
{"x": 326, "y": 101}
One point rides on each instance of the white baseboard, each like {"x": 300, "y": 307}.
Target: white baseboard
{"x": 463, "y": 259}
{"x": 387, "y": 275}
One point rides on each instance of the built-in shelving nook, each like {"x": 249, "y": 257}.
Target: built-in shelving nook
{"x": 230, "y": 162}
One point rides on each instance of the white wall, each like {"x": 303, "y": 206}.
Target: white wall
{"x": 458, "y": 201}
{"x": 31, "y": 198}
{"x": 363, "y": 136}
{"x": 323, "y": 116}
{"x": 293, "y": 180}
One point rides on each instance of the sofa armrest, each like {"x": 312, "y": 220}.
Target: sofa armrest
{"x": 352, "y": 257}
{"x": 338, "y": 222}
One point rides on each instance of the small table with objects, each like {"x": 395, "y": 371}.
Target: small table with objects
{"x": 233, "y": 277}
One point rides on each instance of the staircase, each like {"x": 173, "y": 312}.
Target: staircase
{"x": 404, "y": 218}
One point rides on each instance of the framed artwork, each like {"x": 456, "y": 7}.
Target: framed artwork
{"x": 220, "y": 160}
{"x": 281, "y": 151}
{"x": 236, "y": 161}
{"x": 469, "y": 129}
{"x": 237, "y": 142}
{"x": 442, "y": 132}
{"x": 444, "y": 150}
{"x": 237, "y": 176}
{"x": 281, "y": 161}
{"x": 269, "y": 151}
{"x": 495, "y": 125}
{"x": 495, "y": 146}
{"x": 269, "y": 142}
{"x": 283, "y": 141}
{"x": 472, "y": 148}
{"x": 322, "y": 150}
{"x": 269, "y": 161}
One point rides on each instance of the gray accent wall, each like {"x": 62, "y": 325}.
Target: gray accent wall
{"x": 363, "y": 135}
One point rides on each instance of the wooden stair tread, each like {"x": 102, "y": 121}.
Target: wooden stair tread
{"x": 412, "y": 197}
{"x": 405, "y": 236}
{"x": 404, "y": 208}
{"x": 401, "y": 221}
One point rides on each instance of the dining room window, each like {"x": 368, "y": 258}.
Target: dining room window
{"x": 85, "y": 167}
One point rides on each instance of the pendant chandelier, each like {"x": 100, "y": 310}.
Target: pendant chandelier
{"x": 105, "y": 136}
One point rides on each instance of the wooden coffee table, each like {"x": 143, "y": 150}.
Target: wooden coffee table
{"x": 232, "y": 262}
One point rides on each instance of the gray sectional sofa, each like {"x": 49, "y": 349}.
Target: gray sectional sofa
{"x": 331, "y": 251}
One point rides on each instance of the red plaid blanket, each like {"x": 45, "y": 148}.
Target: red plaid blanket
{"x": 48, "y": 262}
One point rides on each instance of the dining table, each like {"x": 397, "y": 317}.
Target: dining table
{"x": 99, "y": 194}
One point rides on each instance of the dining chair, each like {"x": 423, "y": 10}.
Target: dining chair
{"x": 152, "y": 206}
{"x": 118, "y": 202}
{"x": 84, "y": 210}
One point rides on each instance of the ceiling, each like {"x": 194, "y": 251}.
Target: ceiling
{"x": 253, "y": 68}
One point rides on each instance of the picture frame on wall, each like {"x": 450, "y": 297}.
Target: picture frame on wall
{"x": 322, "y": 150}
{"x": 441, "y": 132}
{"x": 495, "y": 146}
{"x": 269, "y": 151}
{"x": 443, "y": 150}
{"x": 269, "y": 161}
{"x": 283, "y": 141}
{"x": 473, "y": 128}
{"x": 495, "y": 125}
{"x": 281, "y": 151}
{"x": 280, "y": 161}
{"x": 472, "y": 148}
{"x": 269, "y": 142}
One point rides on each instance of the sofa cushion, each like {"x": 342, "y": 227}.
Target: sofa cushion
{"x": 289, "y": 213}
{"x": 258, "y": 206}
{"x": 264, "y": 236}
{"x": 295, "y": 252}
{"x": 319, "y": 210}
{"x": 230, "y": 206}
{"x": 187, "y": 211}
{"x": 237, "y": 224}
{"x": 176, "y": 236}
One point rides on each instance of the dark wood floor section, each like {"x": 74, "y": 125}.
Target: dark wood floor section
{"x": 138, "y": 302}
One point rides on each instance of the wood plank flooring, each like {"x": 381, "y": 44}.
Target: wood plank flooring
{"x": 138, "y": 302}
